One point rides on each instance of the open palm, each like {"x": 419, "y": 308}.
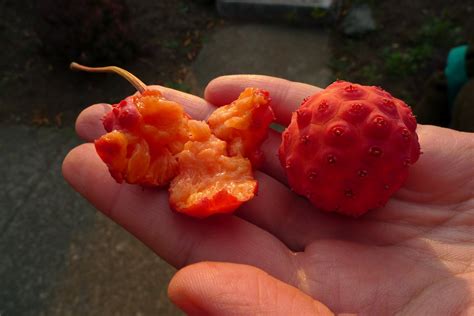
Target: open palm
{"x": 414, "y": 256}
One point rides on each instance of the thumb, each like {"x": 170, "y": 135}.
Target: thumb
{"x": 211, "y": 288}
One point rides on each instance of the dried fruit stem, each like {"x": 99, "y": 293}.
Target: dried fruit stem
{"x": 137, "y": 83}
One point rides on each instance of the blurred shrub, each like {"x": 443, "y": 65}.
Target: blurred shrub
{"x": 435, "y": 36}
{"x": 407, "y": 61}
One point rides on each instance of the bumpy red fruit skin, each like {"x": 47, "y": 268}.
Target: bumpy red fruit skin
{"x": 124, "y": 115}
{"x": 348, "y": 148}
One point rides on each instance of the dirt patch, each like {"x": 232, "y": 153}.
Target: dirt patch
{"x": 37, "y": 87}
{"x": 411, "y": 42}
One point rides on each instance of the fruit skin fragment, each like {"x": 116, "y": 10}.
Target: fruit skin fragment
{"x": 348, "y": 148}
{"x": 209, "y": 181}
{"x": 244, "y": 123}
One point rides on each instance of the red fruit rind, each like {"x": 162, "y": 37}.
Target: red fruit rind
{"x": 348, "y": 148}
{"x": 243, "y": 124}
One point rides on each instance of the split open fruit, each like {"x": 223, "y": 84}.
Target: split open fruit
{"x": 151, "y": 141}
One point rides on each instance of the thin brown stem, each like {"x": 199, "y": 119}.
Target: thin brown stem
{"x": 137, "y": 83}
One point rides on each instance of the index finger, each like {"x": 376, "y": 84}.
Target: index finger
{"x": 286, "y": 95}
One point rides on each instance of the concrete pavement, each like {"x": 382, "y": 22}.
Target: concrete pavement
{"x": 298, "y": 54}
{"x": 58, "y": 255}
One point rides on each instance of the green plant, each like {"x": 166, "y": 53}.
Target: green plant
{"x": 318, "y": 13}
{"x": 184, "y": 8}
{"x": 439, "y": 32}
{"x": 370, "y": 74}
{"x": 291, "y": 16}
{"x": 171, "y": 44}
{"x": 436, "y": 33}
{"x": 404, "y": 62}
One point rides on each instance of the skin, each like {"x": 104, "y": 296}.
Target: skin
{"x": 277, "y": 255}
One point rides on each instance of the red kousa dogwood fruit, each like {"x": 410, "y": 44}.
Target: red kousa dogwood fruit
{"x": 348, "y": 148}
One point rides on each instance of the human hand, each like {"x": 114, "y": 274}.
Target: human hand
{"x": 414, "y": 256}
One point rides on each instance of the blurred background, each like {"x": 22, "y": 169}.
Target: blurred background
{"x": 58, "y": 256}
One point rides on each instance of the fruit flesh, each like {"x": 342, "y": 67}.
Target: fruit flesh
{"x": 243, "y": 124}
{"x": 348, "y": 148}
{"x": 150, "y": 131}
{"x": 152, "y": 142}
{"x": 209, "y": 181}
